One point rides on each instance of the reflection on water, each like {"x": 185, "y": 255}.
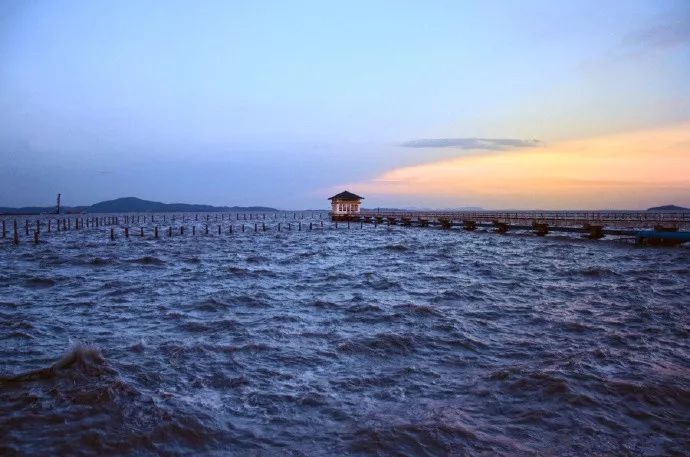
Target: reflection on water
{"x": 386, "y": 341}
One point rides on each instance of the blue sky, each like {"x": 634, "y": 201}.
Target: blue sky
{"x": 281, "y": 103}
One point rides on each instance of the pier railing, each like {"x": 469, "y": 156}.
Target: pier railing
{"x": 622, "y": 219}
{"x": 653, "y": 227}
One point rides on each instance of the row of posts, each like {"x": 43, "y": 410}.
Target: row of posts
{"x": 156, "y": 230}
{"x": 66, "y": 224}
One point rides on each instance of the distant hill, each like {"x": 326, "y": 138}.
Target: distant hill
{"x": 137, "y": 205}
{"x": 668, "y": 208}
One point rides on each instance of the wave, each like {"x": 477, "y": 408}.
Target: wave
{"x": 198, "y": 326}
{"x": 381, "y": 344}
{"x": 100, "y": 261}
{"x": 248, "y": 272}
{"x": 147, "y": 260}
{"x": 396, "y": 247}
{"x": 211, "y": 305}
{"x": 84, "y": 358}
{"x": 255, "y": 259}
{"x": 420, "y": 310}
{"x": 40, "y": 282}
{"x": 431, "y": 437}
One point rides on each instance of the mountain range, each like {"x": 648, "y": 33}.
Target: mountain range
{"x": 136, "y": 205}
{"x": 668, "y": 208}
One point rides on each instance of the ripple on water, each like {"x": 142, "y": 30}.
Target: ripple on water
{"x": 371, "y": 341}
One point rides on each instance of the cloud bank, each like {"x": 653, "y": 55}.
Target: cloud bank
{"x": 485, "y": 144}
{"x": 636, "y": 169}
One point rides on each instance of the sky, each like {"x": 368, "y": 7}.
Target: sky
{"x": 426, "y": 104}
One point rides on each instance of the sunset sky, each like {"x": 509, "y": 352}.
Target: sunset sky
{"x": 498, "y": 104}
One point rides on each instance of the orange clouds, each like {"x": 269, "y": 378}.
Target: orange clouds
{"x": 628, "y": 170}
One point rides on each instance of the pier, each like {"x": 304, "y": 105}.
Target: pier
{"x": 647, "y": 227}
{"x": 652, "y": 228}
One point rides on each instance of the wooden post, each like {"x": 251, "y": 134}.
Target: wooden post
{"x": 289, "y": 226}
{"x": 26, "y": 226}
{"x": 263, "y": 225}
{"x": 193, "y": 229}
{"x": 169, "y": 231}
{"x": 230, "y": 225}
{"x": 16, "y": 233}
{"x": 255, "y": 226}
{"x": 38, "y": 225}
{"x": 4, "y": 232}
{"x": 300, "y": 227}
{"x": 112, "y": 233}
{"x": 242, "y": 228}
{"x": 181, "y": 230}
{"x": 279, "y": 226}
{"x": 219, "y": 232}
{"x": 141, "y": 232}
{"x": 126, "y": 232}
{"x": 155, "y": 232}
{"x": 206, "y": 229}
{"x": 310, "y": 227}
{"x": 36, "y": 237}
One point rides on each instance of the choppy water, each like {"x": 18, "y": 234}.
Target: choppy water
{"x": 386, "y": 341}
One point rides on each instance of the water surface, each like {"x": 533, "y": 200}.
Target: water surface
{"x": 373, "y": 341}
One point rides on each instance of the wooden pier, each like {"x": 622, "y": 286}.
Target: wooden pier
{"x": 661, "y": 228}
{"x": 654, "y": 228}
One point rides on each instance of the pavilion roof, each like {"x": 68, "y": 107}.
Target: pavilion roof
{"x": 346, "y": 196}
